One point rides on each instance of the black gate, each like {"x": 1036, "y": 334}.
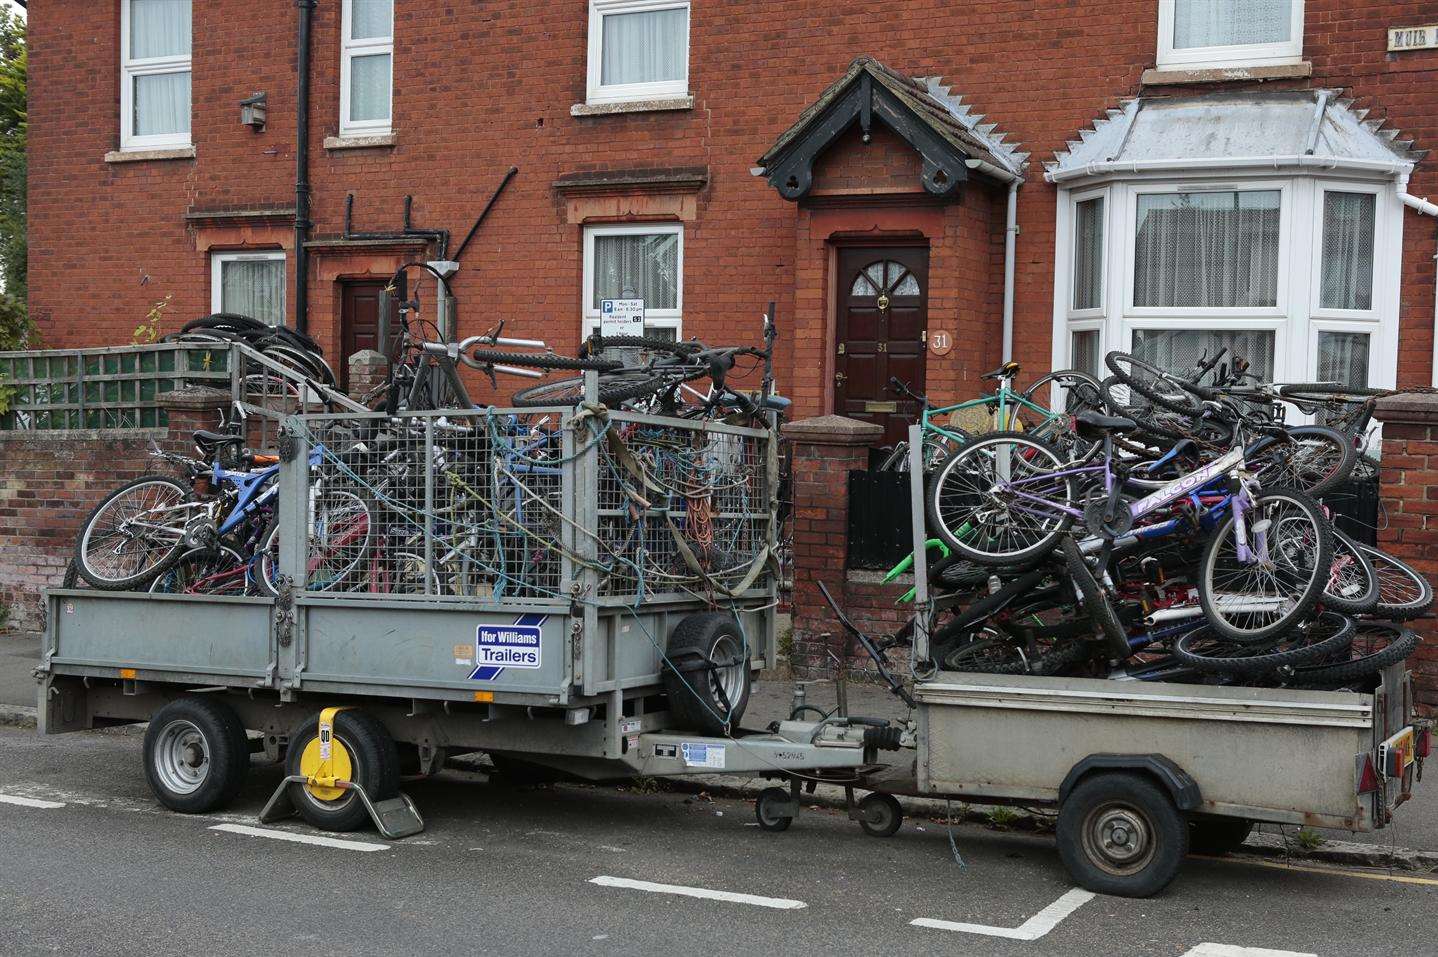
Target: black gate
{"x": 1354, "y": 505}
{"x": 880, "y": 522}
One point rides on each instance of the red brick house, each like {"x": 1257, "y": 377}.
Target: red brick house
{"x": 920, "y": 186}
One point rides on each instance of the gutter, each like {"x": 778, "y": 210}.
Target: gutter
{"x": 306, "y": 10}
{"x": 1387, "y": 167}
{"x": 1011, "y": 231}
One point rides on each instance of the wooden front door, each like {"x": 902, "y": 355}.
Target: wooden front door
{"x": 883, "y": 314}
{"x": 359, "y": 323}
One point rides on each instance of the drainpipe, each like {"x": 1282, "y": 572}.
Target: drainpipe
{"x": 1427, "y": 209}
{"x": 1011, "y": 231}
{"x": 306, "y": 10}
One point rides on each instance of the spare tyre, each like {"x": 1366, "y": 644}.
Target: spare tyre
{"x": 706, "y": 672}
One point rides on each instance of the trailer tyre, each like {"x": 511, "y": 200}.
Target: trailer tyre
{"x": 882, "y": 815}
{"x": 706, "y": 673}
{"x": 363, "y": 752}
{"x": 196, "y": 755}
{"x": 1120, "y": 833}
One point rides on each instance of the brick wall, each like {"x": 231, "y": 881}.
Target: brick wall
{"x": 479, "y": 87}
{"x": 50, "y": 482}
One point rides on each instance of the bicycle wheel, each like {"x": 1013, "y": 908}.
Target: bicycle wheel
{"x": 339, "y": 535}
{"x": 596, "y": 345}
{"x": 1313, "y": 459}
{"x": 1000, "y": 499}
{"x": 1095, "y": 601}
{"x": 135, "y": 533}
{"x": 1066, "y": 390}
{"x": 1352, "y": 585}
{"x": 1373, "y": 648}
{"x": 996, "y": 652}
{"x": 1403, "y": 592}
{"x": 1159, "y": 423}
{"x": 1207, "y": 650}
{"x": 1158, "y": 386}
{"x": 204, "y": 571}
{"x": 1256, "y": 589}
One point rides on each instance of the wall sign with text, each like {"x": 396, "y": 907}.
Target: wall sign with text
{"x": 1413, "y": 38}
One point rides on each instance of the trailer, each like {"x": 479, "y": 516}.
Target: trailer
{"x": 581, "y": 666}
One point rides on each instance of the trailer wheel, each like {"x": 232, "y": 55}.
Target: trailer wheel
{"x": 771, "y": 809}
{"x": 1217, "y": 835}
{"x": 196, "y": 755}
{"x": 363, "y": 752}
{"x": 706, "y": 672}
{"x": 882, "y": 815}
{"x": 1120, "y": 833}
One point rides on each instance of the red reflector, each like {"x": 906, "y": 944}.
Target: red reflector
{"x": 1368, "y": 778}
{"x": 1425, "y": 743}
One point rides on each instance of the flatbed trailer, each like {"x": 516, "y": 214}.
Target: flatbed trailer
{"x": 1140, "y": 772}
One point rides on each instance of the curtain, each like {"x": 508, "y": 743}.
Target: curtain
{"x": 1088, "y": 253}
{"x": 1214, "y": 23}
{"x": 1083, "y": 353}
{"x": 1347, "y": 279}
{"x": 369, "y": 87}
{"x": 254, "y": 288}
{"x": 370, "y": 19}
{"x": 1343, "y": 357}
{"x": 645, "y": 47}
{"x": 162, "y": 103}
{"x": 1180, "y": 350}
{"x": 638, "y": 266}
{"x": 159, "y": 28}
{"x": 1198, "y": 250}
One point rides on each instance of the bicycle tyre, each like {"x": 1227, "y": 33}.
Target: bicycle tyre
{"x": 158, "y": 566}
{"x": 943, "y": 479}
{"x": 1180, "y": 400}
{"x": 1096, "y": 603}
{"x": 1325, "y": 391}
{"x": 1299, "y": 607}
{"x": 1400, "y": 643}
{"x": 1316, "y": 484}
{"x": 541, "y": 360}
{"x": 1151, "y": 422}
{"x": 1197, "y": 647}
{"x": 1403, "y": 592}
{"x": 613, "y": 389}
{"x": 597, "y": 344}
{"x": 1357, "y": 592}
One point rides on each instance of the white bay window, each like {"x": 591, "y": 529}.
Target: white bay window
{"x": 366, "y": 67}
{"x": 636, "y": 262}
{"x": 638, "y": 50}
{"x": 154, "y": 74}
{"x": 1297, "y": 274}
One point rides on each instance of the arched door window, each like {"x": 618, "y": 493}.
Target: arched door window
{"x": 885, "y": 280}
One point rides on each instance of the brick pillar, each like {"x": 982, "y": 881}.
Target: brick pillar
{"x": 189, "y": 410}
{"x": 367, "y": 372}
{"x": 1409, "y": 493}
{"x": 825, "y": 450}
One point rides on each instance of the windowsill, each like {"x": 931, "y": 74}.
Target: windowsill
{"x": 359, "y": 142}
{"x": 1179, "y": 75}
{"x": 143, "y": 156}
{"x": 656, "y": 105}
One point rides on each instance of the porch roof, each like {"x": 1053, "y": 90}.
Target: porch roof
{"x": 1269, "y": 130}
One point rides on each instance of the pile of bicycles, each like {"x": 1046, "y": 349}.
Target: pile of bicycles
{"x": 1157, "y": 525}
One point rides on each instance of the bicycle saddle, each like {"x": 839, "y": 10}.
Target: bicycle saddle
{"x": 1098, "y": 422}
{"x": 209, "y": 441}
{"x": 1006, "y": 371}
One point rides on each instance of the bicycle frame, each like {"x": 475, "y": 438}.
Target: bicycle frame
{"x": 1010, "y": 403}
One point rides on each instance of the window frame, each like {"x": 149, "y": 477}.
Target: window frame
{"x": 350, "y": 49}
{"x": 653, "y": 318}
{"x": 1282, "y": 53}
{"x": 1107, "y": 223}
{"x": 219, "y": 257}
{"x": 1168, "y": 187}
{"x": 596, "y": 91}
{"x": 130, "y": 70}
{"x": 1298, "y": 321}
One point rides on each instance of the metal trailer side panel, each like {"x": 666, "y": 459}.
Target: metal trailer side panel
{"x": 1267, "y": 754}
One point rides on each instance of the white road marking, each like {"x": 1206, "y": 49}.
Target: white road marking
{"x": 314, "y": 839}
{"x": 29, "y": 802}
{"x": 1230, "y": 950}
{"x": 777, "y": 903}
{"x": 1031, "y": 929}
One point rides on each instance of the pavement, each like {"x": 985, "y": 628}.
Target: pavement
{"x": 92, "y": 865}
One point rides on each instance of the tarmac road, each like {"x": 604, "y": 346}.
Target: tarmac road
{"x": 90, "y": 864}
